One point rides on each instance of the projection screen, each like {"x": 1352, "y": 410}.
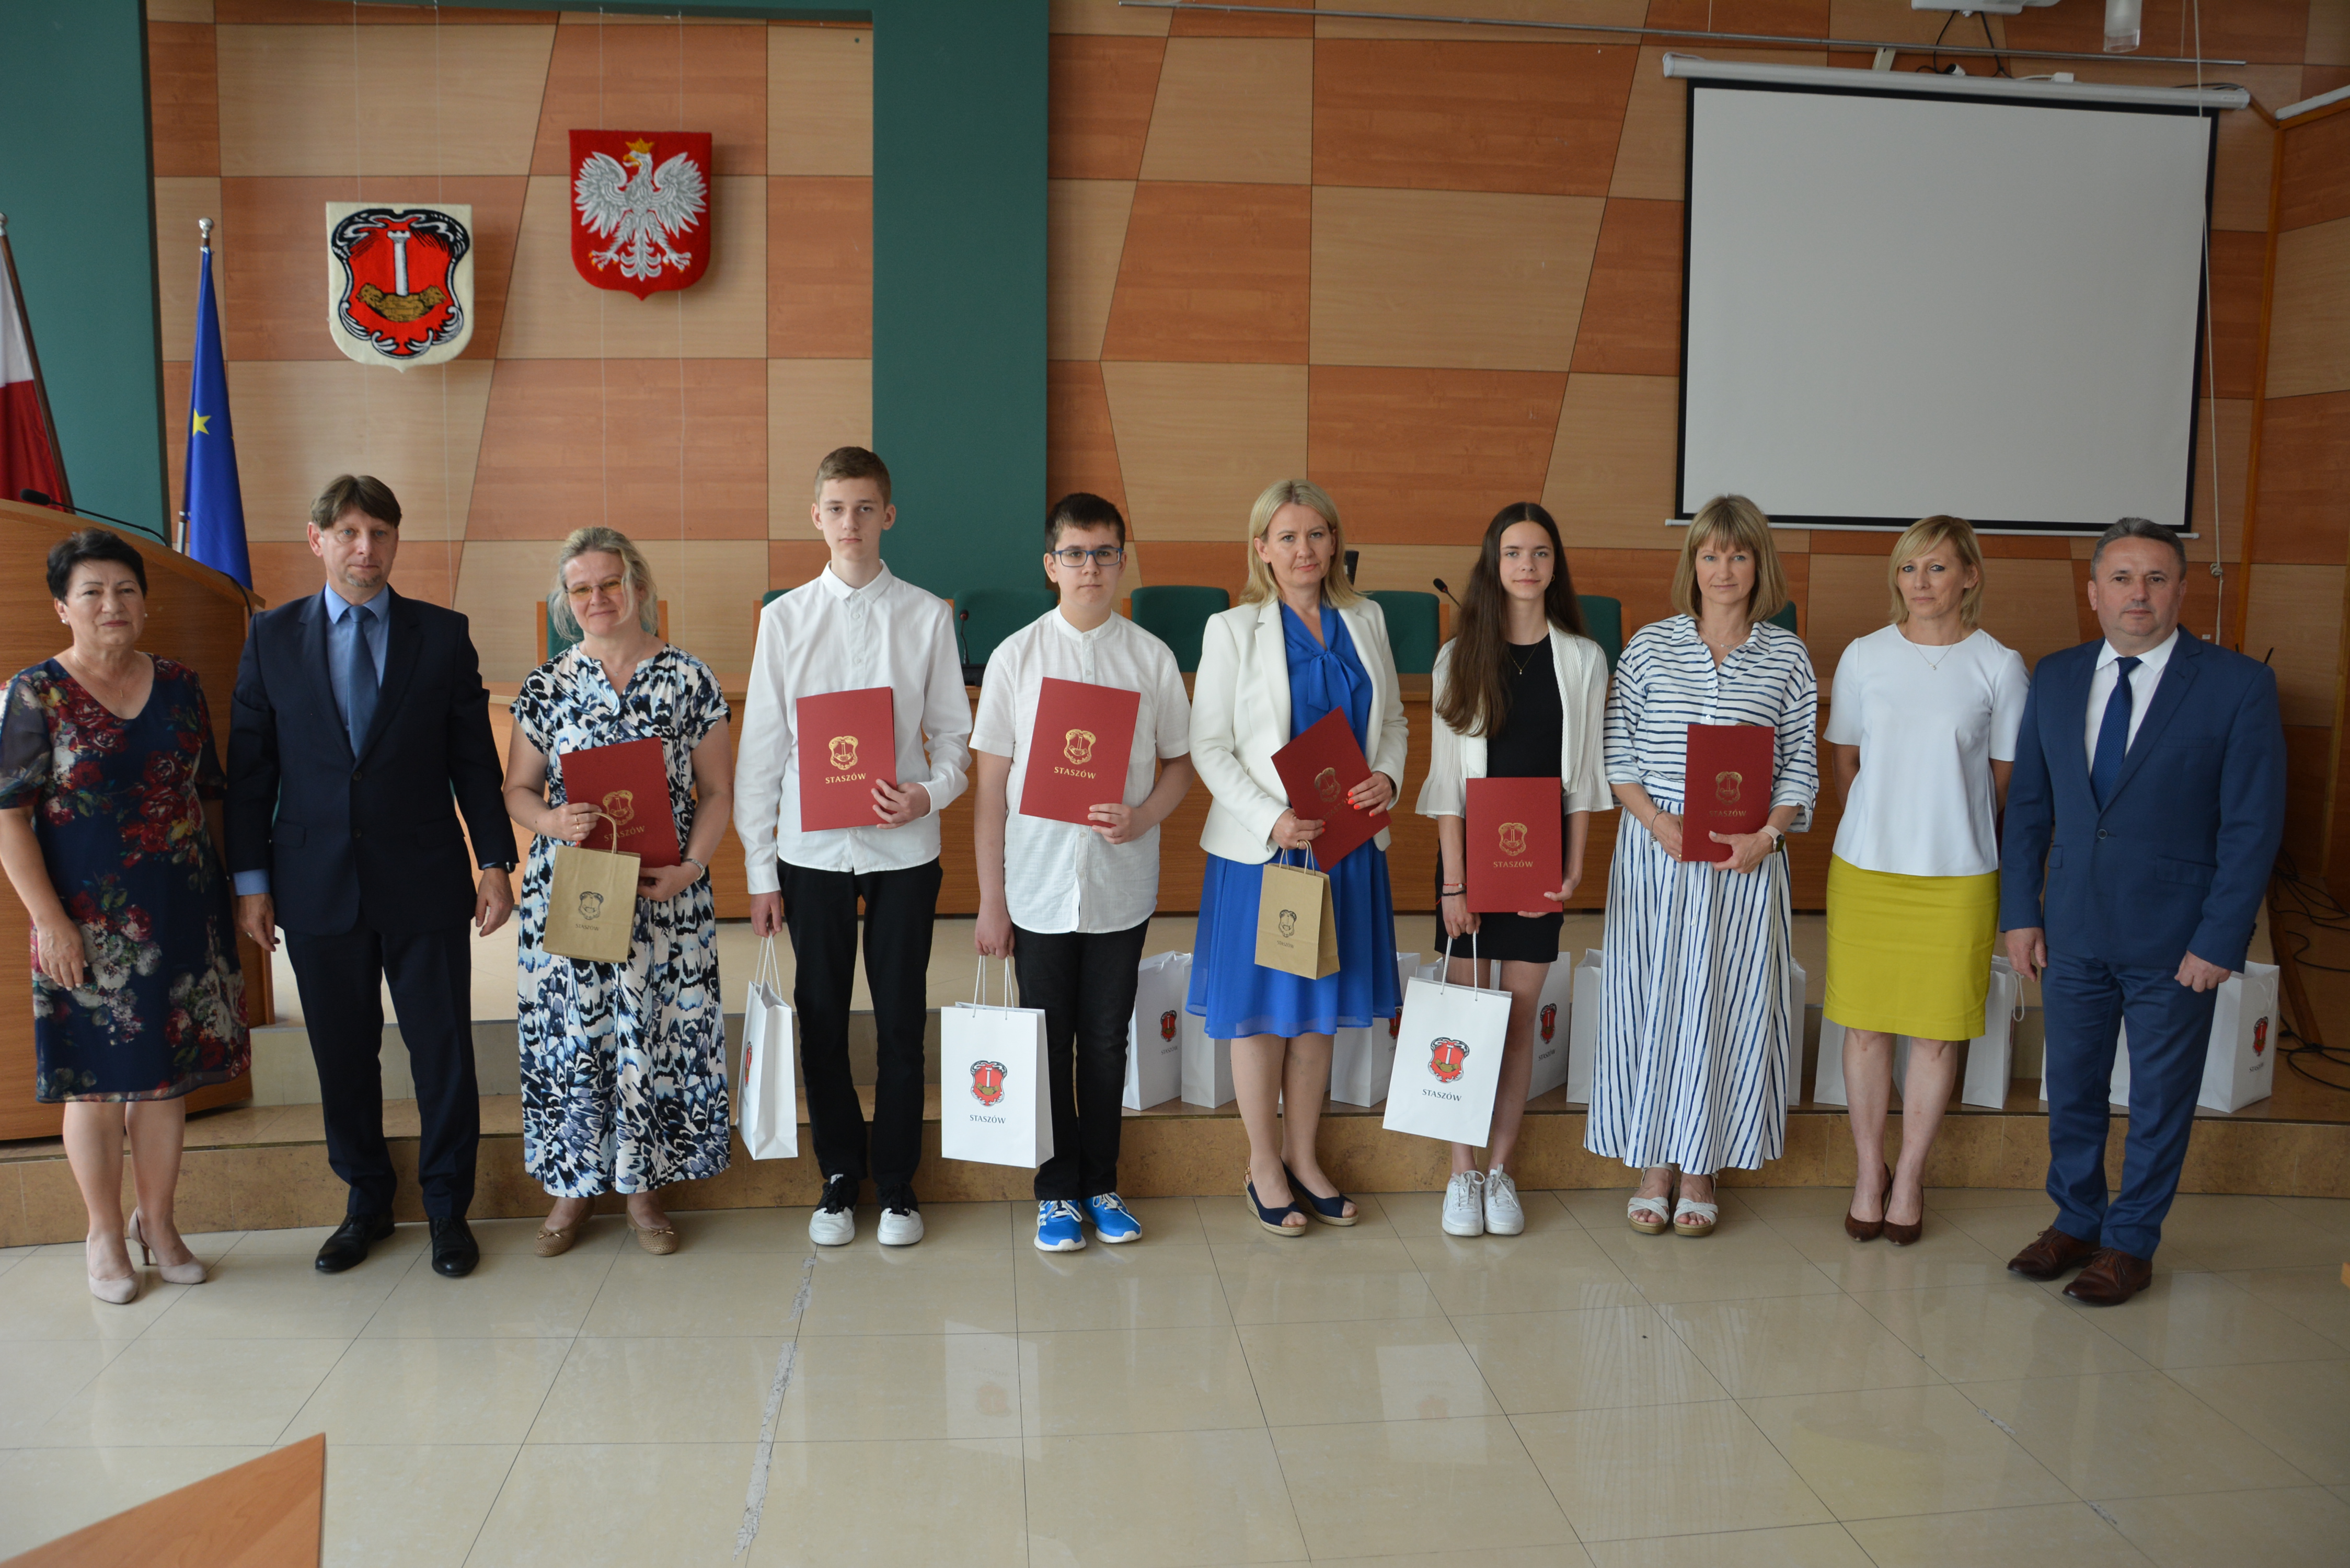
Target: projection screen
{"x": 1898, "y": 305}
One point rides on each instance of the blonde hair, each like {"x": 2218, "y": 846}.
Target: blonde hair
{"x": 1302, "y": 492}
{"x": 599, "y": 540}
{"x": 1928, "y": 533}
{"x": 1739, "y": 524}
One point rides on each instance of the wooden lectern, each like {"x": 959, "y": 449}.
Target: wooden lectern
{"x": 194, "y": 614}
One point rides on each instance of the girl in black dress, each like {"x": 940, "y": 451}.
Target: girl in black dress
{"x": 1521, "y": 693}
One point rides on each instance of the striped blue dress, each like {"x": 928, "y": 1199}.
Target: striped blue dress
{"x": 1697, "y": 1019}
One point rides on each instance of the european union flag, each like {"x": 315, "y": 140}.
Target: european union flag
{"x": 215, "y": 502}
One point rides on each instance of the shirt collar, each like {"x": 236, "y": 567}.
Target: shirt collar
{"x": 338, "y": 607}
{"x": 1061, "y": 624}
{"x": 2154, "y": 657}
{"x": 841, "y": 590}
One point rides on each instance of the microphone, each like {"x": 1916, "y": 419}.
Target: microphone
{"x": 1445, "y": 591}
{"x": 43, "y": 498}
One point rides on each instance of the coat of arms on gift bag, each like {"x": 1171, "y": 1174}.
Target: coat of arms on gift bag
{"x": 1446, "y": 1058}
{"x": 1167, "y": 1025}
{"x": 1549, "y": 1021}
{"x": 987, "y": 1082}
{"x": 399, "y": 282}
{"x": 640, "y": 208}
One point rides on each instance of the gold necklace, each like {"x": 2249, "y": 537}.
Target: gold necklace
{"x": 1514, "y": 659}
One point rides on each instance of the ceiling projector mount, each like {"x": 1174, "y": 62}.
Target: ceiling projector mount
{"x": 2121, "y": 17}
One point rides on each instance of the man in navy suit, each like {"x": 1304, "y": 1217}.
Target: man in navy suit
{"x": 361, "y": 730}
{"x": 2142, "y": 821}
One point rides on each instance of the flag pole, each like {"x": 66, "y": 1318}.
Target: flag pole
{"x": 40, "y": 387}
{"x": 203, "y": 249}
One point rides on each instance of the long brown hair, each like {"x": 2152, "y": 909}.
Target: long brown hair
{"x": 1476, "y": 698}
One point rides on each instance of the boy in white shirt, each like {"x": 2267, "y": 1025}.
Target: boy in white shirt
{"x": 1071, "y": 904}
{"x": 855, "y": 625}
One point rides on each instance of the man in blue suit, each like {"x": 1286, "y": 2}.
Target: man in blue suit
{"x": 2142, "y": 821}
{"x": 361, "y": 731}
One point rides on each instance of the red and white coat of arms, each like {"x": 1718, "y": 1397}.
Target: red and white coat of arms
{"x": 640, "y": 208}
{"x": 399, "y": 282}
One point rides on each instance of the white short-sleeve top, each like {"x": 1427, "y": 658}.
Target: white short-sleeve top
{"x": 1928, "y": 721}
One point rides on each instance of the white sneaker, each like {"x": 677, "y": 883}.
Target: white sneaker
{"x": 900, "y": 1227}
{"x": 1464, "y": 1209}
{"x": 834, "y": 1224}
{"x": 1502, "y": 1215}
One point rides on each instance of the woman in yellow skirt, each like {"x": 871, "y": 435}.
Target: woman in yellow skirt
{"x": 1922, "y": 722}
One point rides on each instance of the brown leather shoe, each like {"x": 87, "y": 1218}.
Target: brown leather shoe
{"x": 2111, "y": 1279}
{"x": 2049, "y": 1255}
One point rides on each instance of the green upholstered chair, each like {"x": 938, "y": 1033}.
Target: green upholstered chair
{"x": 1785, "y": 615}
{"x": 1414, "y": 628}
{"x": 986, "y": 617}
{"x": 1603, "y": 617}
{"x": 1176, "y": 614}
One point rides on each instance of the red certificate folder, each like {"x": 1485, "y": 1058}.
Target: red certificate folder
{"x": 1318, "y": 768}
{"x": 630, "y": 782}
{"x": 1078, "y": 749}
{"x": 1727, "y": 785}
{"x": 1515, "y": 848}
{"x": 847, "y": 743}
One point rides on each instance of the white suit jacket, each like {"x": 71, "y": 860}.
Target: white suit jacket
{"x": 1582, "y": 671}
{"x": 1240, "y": 717}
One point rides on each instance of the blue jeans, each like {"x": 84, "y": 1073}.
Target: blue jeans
{"x": 2086, "y": 1002}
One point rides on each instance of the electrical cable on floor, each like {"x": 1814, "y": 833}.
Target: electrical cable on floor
{"x": 2314, "y": 905}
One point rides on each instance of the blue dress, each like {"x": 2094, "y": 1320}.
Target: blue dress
{"x": 1229, "y": 989}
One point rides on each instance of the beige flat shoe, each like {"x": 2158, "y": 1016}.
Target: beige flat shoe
{"x": 660, "y": 1241}
{"x": 552, "y": 1242}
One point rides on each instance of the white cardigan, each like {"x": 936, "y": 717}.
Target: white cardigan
{"x": 1240, "y": 717}
{"x": 1454, "y": 759}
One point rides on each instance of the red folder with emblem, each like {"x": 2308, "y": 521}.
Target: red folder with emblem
{"x": 630, "y": 781}
{"x": 847, "y": 743}
{"x": 1078, "y": 749}
{"x": 1728, "y": 785}
{"x": 1318, "y": 768}
{"x": 1515, "y": 848}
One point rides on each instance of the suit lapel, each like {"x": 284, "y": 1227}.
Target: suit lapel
{"x": 312, "y": 629}
{"x": 1272, "y": 651}
{"x": 2068, "y": 694}
{"x": 2179, "y": 673}
{"x": 400, "y": 634}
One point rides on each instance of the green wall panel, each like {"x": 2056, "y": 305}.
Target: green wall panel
{"x": 78, "y": 190}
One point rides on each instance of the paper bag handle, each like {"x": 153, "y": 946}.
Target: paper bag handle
{"x": 607, "y": 816}
{"x": 978, "y": 983}
{"x": 767, "y": 968}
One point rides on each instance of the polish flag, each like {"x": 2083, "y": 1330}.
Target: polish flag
{"x": 28, "y": 451}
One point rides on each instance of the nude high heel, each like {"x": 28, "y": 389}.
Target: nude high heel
{"x": 191, "y": 1272}
{"x": 114, "y": 1293}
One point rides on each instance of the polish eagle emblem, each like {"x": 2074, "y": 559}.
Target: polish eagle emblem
{"x": 640, "y": 202}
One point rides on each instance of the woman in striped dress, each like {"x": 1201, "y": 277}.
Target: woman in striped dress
{"x": 1696, "y": 1021}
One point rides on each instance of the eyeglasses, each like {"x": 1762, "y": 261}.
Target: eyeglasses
{"x": 1101, "y": 556}
{"x": 580, "y": 593}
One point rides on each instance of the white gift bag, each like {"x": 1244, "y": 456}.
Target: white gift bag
{"x": 1583, "y": 1027}
{"x": 2239, "y": 1061}
{"x": 1361, "y": 1059}
{"x": 1448, "y": 1062}
{"x": 995, "y": 1105}
{"x": 1827, "y": 1075}
{"x": 1554, "y": 1027}
{"x": 1991, "y": 1056}
{"x": 1207, "y": 1065}
{"x": 768, "y": 1106}
{"x": 1154, "y": 1035}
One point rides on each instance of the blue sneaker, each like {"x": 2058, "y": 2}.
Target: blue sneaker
{"x": 1059, "y": 1229}
{"x": 1111, "y": 1219}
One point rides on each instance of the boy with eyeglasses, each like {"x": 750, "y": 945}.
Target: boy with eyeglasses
{"x": 856, "y": 626}
{"x": 1070, "y": 903}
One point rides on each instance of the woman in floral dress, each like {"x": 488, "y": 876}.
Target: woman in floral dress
{"x": 110, "y": 832}
{"x": 623, "y": 1065}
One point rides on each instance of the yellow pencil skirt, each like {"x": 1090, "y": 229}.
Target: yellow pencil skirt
{"x": 1909, "y": 955}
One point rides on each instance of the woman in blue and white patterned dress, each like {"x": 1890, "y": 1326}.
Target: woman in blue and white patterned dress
{"x": 1697, "y": 1025}
{"x": 623, "y": 1065}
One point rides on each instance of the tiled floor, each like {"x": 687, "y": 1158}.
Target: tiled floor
{"x": 1577, "y": 1395}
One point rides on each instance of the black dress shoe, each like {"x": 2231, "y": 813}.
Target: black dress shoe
{"x": 347, "y": 1247}
{"x": 454, "y": 1251}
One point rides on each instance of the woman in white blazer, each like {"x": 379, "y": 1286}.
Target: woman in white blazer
{"x": 1521, "y": 693}
{"x": 1302, "y": 644}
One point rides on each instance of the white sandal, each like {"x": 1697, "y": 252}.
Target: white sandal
{"x": 1660, "y": 1203}
{"x": 1705, "y": 1214}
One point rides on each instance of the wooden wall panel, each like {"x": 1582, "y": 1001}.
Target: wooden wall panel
{"x": 1232, "y": 110}
{"x": 820, "y": 101}
{"x": 183, "y": 92}
{"x": 293, "y": 100}
{"x": 1394, "y": 283}
{"x": 1102, "y": 89}
{"x": 713, "y": 588}
{"x": 1233, "y": 25}
{"x": 813, "y": 406}
{"x": 1631, "y": 321}
{"x": 179, "y": 202}
{"x": 1081, "y": 449}
{"x": 1196, "y": 443}
{"x": 1599, "y": 13}
{"x": 1408, "y": 453}
{"x": 2313, "y": 300}
{"x": 1107, "y": 17}
{"x": 2297, "y": 611}
{"x": 819, "y": 291}
{"x": 1084, "y": 234}
{"x": 2316, "y": 173}
{"x": 301, "y": 423}
{"x": 1611, "y": 467}
{"x": 1213, "y": 272}
{"x": 2304, "y": 476}
{"x": 701, "y": 77}
{"x": 1652, "y": 157}
{"x": 2223, "y": 453}
{"x": 2259, "y": 30}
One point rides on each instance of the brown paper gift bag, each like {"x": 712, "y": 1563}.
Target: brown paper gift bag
{"x": 1296, "y": 928}
{"x": 591, "y": 903}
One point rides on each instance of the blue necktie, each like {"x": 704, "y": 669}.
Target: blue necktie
{"x": 359, "y": 684}
{"x": 2112, "y": 735}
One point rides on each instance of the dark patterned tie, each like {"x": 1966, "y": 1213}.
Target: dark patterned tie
{"x": 2112, "y": 735}
{"x": 359, "y": 687}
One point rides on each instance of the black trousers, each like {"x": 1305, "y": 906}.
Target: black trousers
{"x": 820, "y": 911}
{"x": 341, "y": 979}
{"x": 1085, "y": 981}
